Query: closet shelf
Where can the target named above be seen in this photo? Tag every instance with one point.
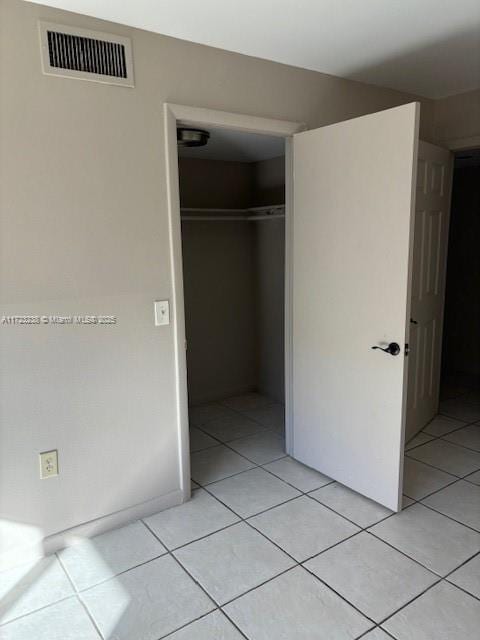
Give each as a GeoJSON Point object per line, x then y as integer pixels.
{"type": "Point", "coordinates": [247, 215]}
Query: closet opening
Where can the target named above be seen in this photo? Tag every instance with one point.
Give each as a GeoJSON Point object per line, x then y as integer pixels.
{"type": "Point", "coordinates": [232, 213]}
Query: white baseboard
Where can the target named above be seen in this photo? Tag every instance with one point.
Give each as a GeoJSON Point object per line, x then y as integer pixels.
{"type": "Point", "coordinates": [58, 541]}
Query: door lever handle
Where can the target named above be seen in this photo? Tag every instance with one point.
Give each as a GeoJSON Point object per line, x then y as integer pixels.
{"type": "Point", "coordinates": [412, 321]}
{"type": "Point", "coordinates": [393, 349]}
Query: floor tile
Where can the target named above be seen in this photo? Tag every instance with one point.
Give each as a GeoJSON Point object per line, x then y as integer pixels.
{"type": "Point", "coordinates": [232, 561]}
{"type": "Point", "coordinates": [442, 613]}
{"type": "Point", "coordinates": [66, 620]}
{"type": "Point", "coordinates": [214, 626]}
{"type": "Point", "coordinates": [350, 504]}
{"type": "Point", "coordinates": [272, 417]}
{"type": "Point", "coordinates": [406, 501]}
{"type": "Point", "coordinates": [375, 578]}
{"type": "Point", "coordinates": [146, 603]}
{"type": "Point", "coordinates": [251, 492]}
{"type": "Point", "coordinates": [217, 463]}
{"type": "Point", "coordinates": [261, 448]}
{"type": "Point", "coordinates": [198, 517]}
{"type": "Point", "coordinates": [202, 414]}
{"type": "Point", "coordinates": [420, 438]}
{"type": "Point", "coordinates": [461, 409]}
{"type": "Point", "coordinates": [419, 479]}
{"type": "Point", "coordinates": [441, 425]}
{"type": "Point", "coordinates": [376, 634]}
{"type": "Point", "coordinates": [32, 586]}
{"type": "Point", "coordinates": [460, 501]}
{"type": "Point", "coordinates": [193, 485]}
{"type": "Point", "coordinates": [437, 542]}
{"type": "Point", "coordinates": [296, 606]}
{"type": "Point", "coordinates": [200, 440]}
{"type": "Point", "coordinates": [109, 554]}
{"type": "Point", "coordinates": [297, 474]}
{"type": "Point", "coordinates": [447, 457]}
{"type": "Point", "coordinates": [303, 527]}
{"type": "Point", "coordinates": [467, 437]}
{"type": "Point", "coordinates": [468, 576]}
{"type": "Point", "coordinates": [247, 402]}
{"type": "Point", "coordinates": [232, 427]}
{"type": "Point", "coordinates": [474, 477]}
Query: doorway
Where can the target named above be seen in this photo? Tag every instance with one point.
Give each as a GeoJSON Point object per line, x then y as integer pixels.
{"type": "Point", "coordinates": [444, 453]}
{"type": "Point", "coordinates": [232, 206]}
{"type": "Point", "coordinates": [174, 117]}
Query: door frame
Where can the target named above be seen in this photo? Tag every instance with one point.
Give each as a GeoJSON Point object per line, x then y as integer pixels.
{"type": "Point", "coordinates": [175, 114]}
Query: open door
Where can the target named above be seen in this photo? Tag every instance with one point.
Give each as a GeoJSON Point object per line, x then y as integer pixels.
{"type": "Point", "coordinates": [432, 219]}
{"type": "Point", "coordinates": [354, 188]}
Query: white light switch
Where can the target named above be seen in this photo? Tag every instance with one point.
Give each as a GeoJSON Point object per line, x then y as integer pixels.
{"type": "Point", "coordinates": [162, 312]}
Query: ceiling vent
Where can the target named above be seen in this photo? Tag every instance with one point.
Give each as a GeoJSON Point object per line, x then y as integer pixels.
{"type": "Point", "coordinates": [86, 55]}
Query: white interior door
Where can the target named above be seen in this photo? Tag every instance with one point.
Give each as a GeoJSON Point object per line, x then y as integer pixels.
{"type": "Point", "coordinates": [432, 217]}
{"type": "Point", "coordinates": [354, 185]}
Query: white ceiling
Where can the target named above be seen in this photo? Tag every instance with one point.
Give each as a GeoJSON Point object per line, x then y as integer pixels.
{"type": "Point", "coordinates": [225, 144]}
{"type": "Point", "coordinates": [427, 47]}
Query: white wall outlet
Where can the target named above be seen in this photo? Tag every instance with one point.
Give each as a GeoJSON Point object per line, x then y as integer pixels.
{"type": "Point", "coordinates": [162, 312]}
{"type": "Point", "coordinates": [48, 464]}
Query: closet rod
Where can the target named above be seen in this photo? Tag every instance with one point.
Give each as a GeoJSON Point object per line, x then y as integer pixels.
{"type": "Point", "coordinates": [232, 218]}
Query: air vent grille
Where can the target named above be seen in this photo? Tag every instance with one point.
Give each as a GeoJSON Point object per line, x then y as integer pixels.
{"type": "Point", "coordinates": [88, 55]}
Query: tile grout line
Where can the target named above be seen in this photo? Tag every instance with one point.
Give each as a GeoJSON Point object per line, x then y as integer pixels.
{"type": "Point", "coordinates": [211, 598]}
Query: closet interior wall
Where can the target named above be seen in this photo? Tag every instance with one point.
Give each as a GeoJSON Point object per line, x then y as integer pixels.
{"type": "Point", "coordinates": [234, 279]}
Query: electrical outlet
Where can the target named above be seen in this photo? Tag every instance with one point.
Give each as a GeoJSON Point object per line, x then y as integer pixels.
{"type": "Point", "coordinates": [48, 464]}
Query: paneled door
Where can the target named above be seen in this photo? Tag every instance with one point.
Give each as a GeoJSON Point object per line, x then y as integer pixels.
{"type": "Point", "coordinates": [432, 217]}
{"type": "Point", "coordinates": [354, 188]}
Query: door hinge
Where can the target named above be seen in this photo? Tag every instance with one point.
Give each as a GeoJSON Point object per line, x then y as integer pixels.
{"type": "Point", "coordinates": [407, 348]}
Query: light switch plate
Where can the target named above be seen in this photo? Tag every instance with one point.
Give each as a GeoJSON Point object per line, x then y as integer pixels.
{"type": "Point", "coordinates": [162, 312]}
{"type": "Point", "coordinates": [48, 464]}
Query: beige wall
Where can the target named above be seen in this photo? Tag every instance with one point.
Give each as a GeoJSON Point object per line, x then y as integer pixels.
{"type": "Point", "coordinates": [84, 230]}
{"type": "Point", "coordinates": [457, 120]}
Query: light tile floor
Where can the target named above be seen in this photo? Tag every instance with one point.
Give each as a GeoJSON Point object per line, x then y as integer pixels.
{"type": "Point", "coordinates": [268, 549]}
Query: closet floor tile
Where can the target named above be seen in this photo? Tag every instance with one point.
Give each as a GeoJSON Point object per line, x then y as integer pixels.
{"type": "Point", "coordinates": [296, 605]}
{"type": "Point", "coordinates": [303, 527]}
{"type": "Point", "coordinates": [459, 501]}
{"type": "Point", "coordinates": [261, 448]}
{"type": "Point", "coordinates": [272, 417]}
{"type": "Point", "coordinates": [204, 413]}
{"type": "Point", "coordinates": [216, 463]}
{"type": "Point", "coordinates": [297, 474]}
{"type": "Point", "coordinates": [447, 457]}
{"type": "Point", "coordinates": [232, 427]}
{"type": "Point", "coordinates": [442, 613]}
{"type": "Point", "coordinates": [351, 505]}
{"type": "Point", "coordinates": [247, 402]}
{"type": "Point", "coordinates": [232, 561]}
{"type": "Point", "coordinates": [200, 516]}
{"type": "Point", "coordinates": [371, 575]}
{"type": "Point", "coordinates": [251, 492]}
{"type": "Point", "coordinates": [437, 542]}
